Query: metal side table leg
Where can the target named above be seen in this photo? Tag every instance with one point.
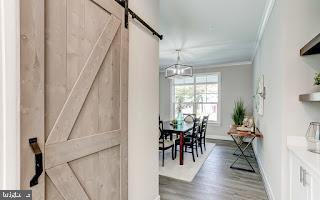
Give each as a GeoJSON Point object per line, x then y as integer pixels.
{"type": "Point", "coordinates": [242, 154]}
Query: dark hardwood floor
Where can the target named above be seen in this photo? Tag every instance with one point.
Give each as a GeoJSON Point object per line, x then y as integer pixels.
{"type": "Point", "coordinates": [216, 181]}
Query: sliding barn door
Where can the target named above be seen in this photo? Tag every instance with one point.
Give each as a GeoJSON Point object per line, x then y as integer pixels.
{"type": "Point", "coordinates": [74, 65]}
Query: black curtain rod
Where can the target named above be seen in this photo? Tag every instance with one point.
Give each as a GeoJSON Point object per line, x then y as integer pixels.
{"type": "Point", "coordinates": [124, 3]}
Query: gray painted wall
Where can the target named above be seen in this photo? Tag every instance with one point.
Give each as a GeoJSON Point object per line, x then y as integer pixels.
{"type": "Point", "coordinates": [236, 82]}
{"type": "Point", "coordinates": [164, 97]}
{"type": "Point", "coordinates": [291, 25]}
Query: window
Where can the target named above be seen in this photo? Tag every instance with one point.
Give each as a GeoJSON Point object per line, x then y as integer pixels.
{"type": "Point", "coordinates": [198, 94]}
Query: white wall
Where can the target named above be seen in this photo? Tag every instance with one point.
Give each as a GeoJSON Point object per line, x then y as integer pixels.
{"type": "Point", "coordinates": [9, 95]}
{"type": "Point", "coordinates": [291, 25]}
{"type": "Point", "coordinates": [236, 82]}
{"type": "Point", "coordinates": [143, 103]}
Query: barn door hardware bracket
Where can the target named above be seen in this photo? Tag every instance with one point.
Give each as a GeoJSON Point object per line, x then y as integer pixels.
{"type": "Point", "coordinates": [38, 161]}
{"type": "Point", "coordinates": [124, 3]}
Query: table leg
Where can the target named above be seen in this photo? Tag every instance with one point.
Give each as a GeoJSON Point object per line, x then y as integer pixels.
{"type": "Point", "coordinates": [181, 148]}
{"type": "Point", "coordinates": [245, 148]}
{"type": "Point", "coordinates": [242, 154]}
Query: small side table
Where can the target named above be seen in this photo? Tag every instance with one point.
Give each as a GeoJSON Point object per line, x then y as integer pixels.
{"type": "Point", "coordinates": [234, 133]}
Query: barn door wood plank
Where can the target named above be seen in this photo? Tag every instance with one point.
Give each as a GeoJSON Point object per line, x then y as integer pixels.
{"type": "Point", "coordinates": [67, 151]}
{"type": "Point", "coordinates": [110, 6]}
{"type": "Point", "coordinates": [66, 182]}
{"type": "Point", "coordinates": [32, 90]}
{"type": "Point", "coordinates": [124, 63]}
{"type": "Point", "coordinates": [66, 119]}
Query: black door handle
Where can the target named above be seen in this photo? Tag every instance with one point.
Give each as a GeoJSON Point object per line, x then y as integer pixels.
{"type": "Point", "coordinates": [38, 161]}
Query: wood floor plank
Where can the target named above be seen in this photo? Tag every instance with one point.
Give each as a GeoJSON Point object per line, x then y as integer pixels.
{"type": "Point", "coordinates": [216, 181]}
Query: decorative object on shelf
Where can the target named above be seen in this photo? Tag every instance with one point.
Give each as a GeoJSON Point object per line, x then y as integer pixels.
{"type": "Point", "coordinates": [317, 79]}
{"type": "Point", "coordinates": [239, 112]}
{"type": "Point", "coordinates": [260, 95]}
{"type": "Point", "coordinates": [313, 137]}
{"type": "Point", "coordinates": [178, 70]}
{"type": "Point", "coordinates": [316, 82]}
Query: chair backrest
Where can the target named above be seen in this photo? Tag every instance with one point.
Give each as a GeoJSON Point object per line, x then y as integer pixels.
{"type": "Point", "coordinates": [204, 125]}
{"type": "Point", "coordinates": [196, 127]}
{"type": "Point", "coordinates": [161, 133]}
{"type": "Point", "coordinates": [189, 118]}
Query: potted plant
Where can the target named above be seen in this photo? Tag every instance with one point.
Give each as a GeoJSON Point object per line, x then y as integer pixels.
{"type": "Point", "coordinates": [239, 113]}
{"type": "Point", "coordinates": [317, 81]}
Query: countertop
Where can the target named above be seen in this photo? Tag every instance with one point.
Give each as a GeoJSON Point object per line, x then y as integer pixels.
{"type": "Point", "coordinates": [298, 146]}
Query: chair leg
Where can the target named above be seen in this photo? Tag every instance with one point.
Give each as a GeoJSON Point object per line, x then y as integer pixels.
{"type": "Point", "coordinates": [194, 160]}
{"type": "Point", "coordinates": [162, 158]}
{"type": "Point", "coordinates": [200, 143]}
{"type": "Point", "coordinates": [197, 148]}
{"type": "Point", "coordinates": [172, 153]}
{"type": "Point", "coordinates": [175, 151]}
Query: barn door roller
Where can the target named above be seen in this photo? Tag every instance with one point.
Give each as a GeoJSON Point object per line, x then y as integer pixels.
{"type": "Point", "coordinates": [124, 3]}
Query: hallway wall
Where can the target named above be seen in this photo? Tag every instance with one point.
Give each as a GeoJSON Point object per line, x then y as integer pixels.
{"type": "Point", "coordinates": [291, 25]}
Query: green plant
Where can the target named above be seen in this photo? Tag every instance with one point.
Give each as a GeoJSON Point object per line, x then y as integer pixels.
{"type": "Point", "coordinates": [238, 112]}
{"type": "Point", "coordinates": [317, 79]}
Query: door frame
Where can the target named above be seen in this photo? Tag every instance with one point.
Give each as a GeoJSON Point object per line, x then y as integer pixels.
{"type": "Point", "coordinates": [10, 94]}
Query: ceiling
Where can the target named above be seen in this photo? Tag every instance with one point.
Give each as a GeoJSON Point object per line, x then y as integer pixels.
{"type": "Point", "coordinates": [209, 32]}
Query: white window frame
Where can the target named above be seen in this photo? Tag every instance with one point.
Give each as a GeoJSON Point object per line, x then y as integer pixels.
{"type": "Point", "coordinates": [172, 98]}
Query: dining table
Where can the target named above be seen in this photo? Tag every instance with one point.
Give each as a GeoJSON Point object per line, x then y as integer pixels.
{"type": "Point", "coordinates": [180, 130]}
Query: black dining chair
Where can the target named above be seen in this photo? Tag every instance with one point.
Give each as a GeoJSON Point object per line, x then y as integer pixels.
{"type": "Point", "coordinates": [164, 143]}
{"type": "Point", "coordinates": [190, 141]}
{"type": "Point", "coordinates": [189, 117]}
{"type": "Point", "coordinates": [202, 133]}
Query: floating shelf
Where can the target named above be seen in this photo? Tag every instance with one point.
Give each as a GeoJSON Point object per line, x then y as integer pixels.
{"type": "Point", "coordinates": [312, 97]}
{"type": "Point", "coordinates": [313, 47]}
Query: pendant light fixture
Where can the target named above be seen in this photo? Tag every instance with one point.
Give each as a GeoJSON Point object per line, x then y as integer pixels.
{"type": "Point", "coordinates": [178, 70]}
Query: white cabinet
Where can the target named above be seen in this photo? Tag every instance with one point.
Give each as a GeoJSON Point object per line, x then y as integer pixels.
{"type": "Point", "coordinates": [315, 190]}
{"type": "Point", "coordinates": [304, 183]}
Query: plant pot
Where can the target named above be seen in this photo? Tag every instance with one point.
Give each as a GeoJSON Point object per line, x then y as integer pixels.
{"type": "Point", "coordinates": [316, 88]}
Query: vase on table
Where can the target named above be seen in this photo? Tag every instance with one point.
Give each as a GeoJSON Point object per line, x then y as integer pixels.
{"type": "Point", "coordinates": [179, 118]}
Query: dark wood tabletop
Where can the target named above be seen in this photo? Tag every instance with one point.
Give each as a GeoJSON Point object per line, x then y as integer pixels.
{"type": "Point", "coordinates": [184, 127]}
{"type": "Point", "coordinates": [179, 130]}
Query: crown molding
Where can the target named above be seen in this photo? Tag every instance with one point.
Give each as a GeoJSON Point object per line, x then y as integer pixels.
{"type": "Point", "coordinates": [267, 13]}
{"type": "Point", "coordinates": [233, 64]}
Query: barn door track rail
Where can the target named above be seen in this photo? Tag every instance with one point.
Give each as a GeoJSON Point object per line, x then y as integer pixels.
{"type": "Point", "coordinates": [124, 3]}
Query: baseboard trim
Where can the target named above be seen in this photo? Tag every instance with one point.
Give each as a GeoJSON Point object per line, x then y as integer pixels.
{"type": "Point", "coordinates": [266, 182]}
{"type": "Point", "coordinates": [219, 137]}
{"type": "Point", "coordinates": [157, 198]}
